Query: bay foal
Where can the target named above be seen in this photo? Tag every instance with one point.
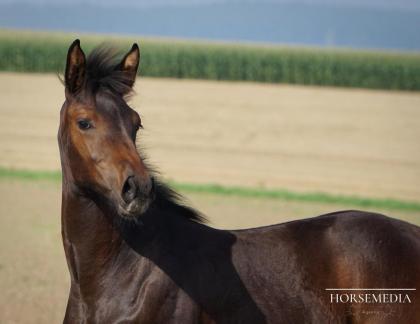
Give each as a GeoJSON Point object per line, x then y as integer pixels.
{"type": "Point", "coordinates": [136, 254]}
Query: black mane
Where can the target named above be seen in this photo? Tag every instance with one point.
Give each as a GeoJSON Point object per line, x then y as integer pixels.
{"type": "Point", "coordinates": [167, 198]}
{"type": "Point", "coordinates": [103, 74]}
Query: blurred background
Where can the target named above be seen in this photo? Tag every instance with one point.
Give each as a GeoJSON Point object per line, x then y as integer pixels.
{"type": "Point", "coordinates": [259, 112]}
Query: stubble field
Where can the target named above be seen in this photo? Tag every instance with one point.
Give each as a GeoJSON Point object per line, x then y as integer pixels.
{"type": "Point", "coordinates": [305, 139]}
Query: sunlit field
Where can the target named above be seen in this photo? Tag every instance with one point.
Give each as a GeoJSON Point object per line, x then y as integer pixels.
{"type": "Point", "coordinates": [245, 154]}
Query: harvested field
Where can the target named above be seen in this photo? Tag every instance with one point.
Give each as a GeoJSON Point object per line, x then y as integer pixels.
{"type": "Point", "coordinates": [341, 141]}
{"type": "Point", "coordinates": [337, 141]}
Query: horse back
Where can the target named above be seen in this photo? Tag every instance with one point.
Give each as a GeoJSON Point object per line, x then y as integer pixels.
{"type": "Point", "coordinates": [292, 266]}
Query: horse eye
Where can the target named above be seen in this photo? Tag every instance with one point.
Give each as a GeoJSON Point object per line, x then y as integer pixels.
{"type": "Point", "coordinates": [84, 124]}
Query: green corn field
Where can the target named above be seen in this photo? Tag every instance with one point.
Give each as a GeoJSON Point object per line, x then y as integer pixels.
{"type": "Point", "coordinates": [24, 51]}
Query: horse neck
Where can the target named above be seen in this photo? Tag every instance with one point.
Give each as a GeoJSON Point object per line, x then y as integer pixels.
{"type": "Point", "coordinates": [90, 241]}
{"type": "Point", "coordinates": [95, 236]}
{"type": "Point", "coordinates": [163, 238]}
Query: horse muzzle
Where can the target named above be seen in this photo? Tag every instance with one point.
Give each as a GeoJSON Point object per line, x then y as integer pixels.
{"type": "Point", "coordinates": [136, 197]}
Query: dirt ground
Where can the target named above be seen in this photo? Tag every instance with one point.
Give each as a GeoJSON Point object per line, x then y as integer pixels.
{"type": "Point", "coordinates": [34, 280]}
{"type": "Point", "coordinates": [348, 141]}
{"type": "Point", "coordinates": [354, 142]}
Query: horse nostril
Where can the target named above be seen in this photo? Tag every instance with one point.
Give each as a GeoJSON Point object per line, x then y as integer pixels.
{"type": "Point", "coordinates": [129, 190]}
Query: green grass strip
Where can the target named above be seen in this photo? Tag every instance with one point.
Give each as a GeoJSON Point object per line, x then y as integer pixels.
{"type": "Point", "coordinates": [282, 194]}
{"type": "Point", "coordinates": [316, 197]}
{"type": "Point", "coordinates": [29, 174]}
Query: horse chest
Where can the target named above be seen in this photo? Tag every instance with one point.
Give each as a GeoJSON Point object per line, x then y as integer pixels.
{"type": "Point", "coordinates": [154, 299]}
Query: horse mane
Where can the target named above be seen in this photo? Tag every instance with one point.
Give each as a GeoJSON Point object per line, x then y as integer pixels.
{"type": "Point", "coordinates": [167, 198]}
{"type": "Point", "coordinates": [102, 74]}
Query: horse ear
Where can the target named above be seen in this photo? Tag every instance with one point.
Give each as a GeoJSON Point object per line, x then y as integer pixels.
{"type": "Point", "coordinates": [75, 68]}
{"type": "Point", "coordinates": [130, 64]}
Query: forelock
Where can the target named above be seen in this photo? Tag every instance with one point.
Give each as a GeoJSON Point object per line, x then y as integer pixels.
{"type": "Point", "coordinates": [102, 73]}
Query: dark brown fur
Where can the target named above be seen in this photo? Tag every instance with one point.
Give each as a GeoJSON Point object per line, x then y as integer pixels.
{"type": "Point", "coordinates": [136, 254]}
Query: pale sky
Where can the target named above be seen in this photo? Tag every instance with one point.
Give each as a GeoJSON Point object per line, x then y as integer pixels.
{"type": "Point", "coordinates": [404, 4]}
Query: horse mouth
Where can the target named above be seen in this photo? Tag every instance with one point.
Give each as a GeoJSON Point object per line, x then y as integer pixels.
{"type": "Point", "coordinates": [135, 208]}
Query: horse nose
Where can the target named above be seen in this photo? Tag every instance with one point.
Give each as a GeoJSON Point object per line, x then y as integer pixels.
{"type": "Point", "coordinates": [130, 189]}
{"type": "Point", "coordinates": [133, 189]}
